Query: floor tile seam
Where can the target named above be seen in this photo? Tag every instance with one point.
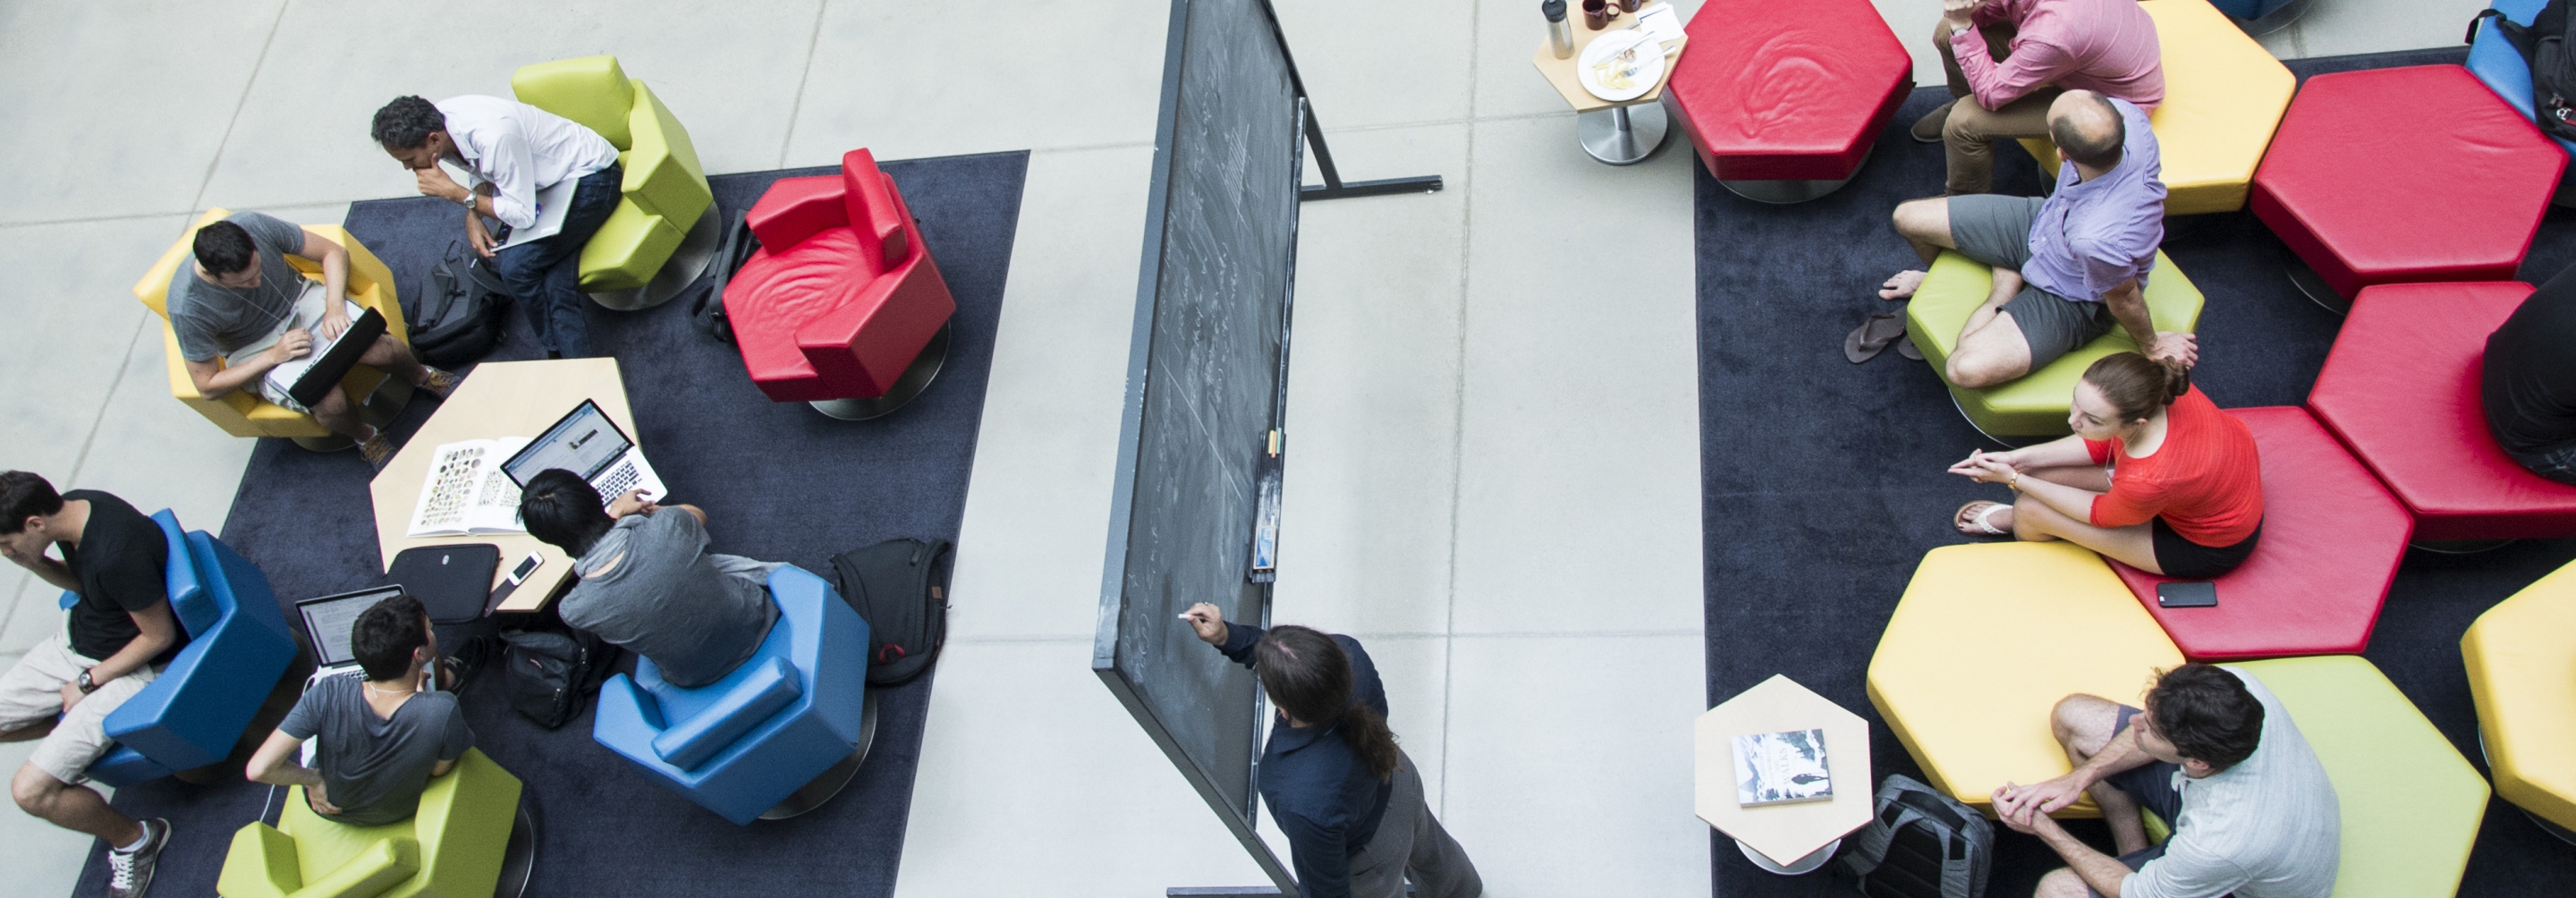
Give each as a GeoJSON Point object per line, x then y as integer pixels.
{"type": "Point", "coordinates": [1458, 408]}
{"type": "Point", "coordinates": [243, 102]}
{"type": "Point", "coordinates": [796, 107]}
{"type": "Point", "coordinates": [107, 402]}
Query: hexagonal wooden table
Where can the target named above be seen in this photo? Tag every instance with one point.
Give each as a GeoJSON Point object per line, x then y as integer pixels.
{"type": "Point", "coordinates": [1793, 838]}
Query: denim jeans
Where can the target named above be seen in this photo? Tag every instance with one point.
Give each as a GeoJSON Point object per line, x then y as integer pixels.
{"type": "Point", "coordinates": [545, 274]}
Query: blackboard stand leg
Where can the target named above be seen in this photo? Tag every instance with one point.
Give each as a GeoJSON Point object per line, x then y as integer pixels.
{"type": "Point", "coordinates": [1335, 188]}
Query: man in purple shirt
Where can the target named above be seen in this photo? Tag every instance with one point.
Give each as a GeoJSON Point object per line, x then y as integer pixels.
{"type": "Point", "coordinates": [2009, 59]}
{"type": "Point", "coordinates": [2066, 267]}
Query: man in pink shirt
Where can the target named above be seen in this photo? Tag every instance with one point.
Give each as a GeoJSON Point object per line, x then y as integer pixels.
{"type": "Point", "coordinates": [2009, 59]}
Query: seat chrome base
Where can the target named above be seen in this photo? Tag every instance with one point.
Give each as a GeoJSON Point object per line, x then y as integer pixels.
{"type": "Point", "coordinates": [677, 273]}
{"type": "Point", "coordinates": [924, 369]}
{"type": "Point", "coordinates": [1623, 135]}
{"type": "Point", "coordinates": [821, 788]}
{"type": "Point", "coordinates": [519, 857]}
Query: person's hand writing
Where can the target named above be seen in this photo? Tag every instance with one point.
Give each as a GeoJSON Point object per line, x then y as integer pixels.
{"type": "Point", "coordinates": [2178, 346]}
{"type": "Point", "coordinates": [433, 181]}
{"type": "Point", "coordinates": [1206, 622]}
{"type": "Point", "coordinates": [318, 796]}
{"type": "Point", "coordinates": [334, 323]}
{"type": "Point", "coordinates": [631, 502]}
{"type": "Point", "coordinates": [479, 237]}
{"type": "Point", "coordinates": [293, 346]}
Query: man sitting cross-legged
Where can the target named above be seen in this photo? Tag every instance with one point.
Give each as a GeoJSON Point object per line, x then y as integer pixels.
{"type": "Point", "coordinates": [2216, 756]}
{"type": "Point", "coordinates": [2066, 268]}
{"type": "Point", "coordinates": [381, 740]}
{"type": "Point", "coordinates": [239, 310]}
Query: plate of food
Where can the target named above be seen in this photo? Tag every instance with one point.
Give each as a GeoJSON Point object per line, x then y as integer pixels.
{"type": "Point", "coordinates": [1621, 65]}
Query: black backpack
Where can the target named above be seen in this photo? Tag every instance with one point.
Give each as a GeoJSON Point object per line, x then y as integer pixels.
{"type": "Point", "coordinates": [707, 311]}
{"type": "Point", "coordinates": [455, 316]}
{"type": "Point", "coordinates": [549, 674]}
{"type": "Point", "coordinates": [2543, 44]}
{"type": "Point", "coordinates": [1922, 844]}
{"type": "Point", "coordinates": [900, 587]}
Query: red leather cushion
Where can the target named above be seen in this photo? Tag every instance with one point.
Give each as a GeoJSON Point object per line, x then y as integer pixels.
{"type": "Point", "coordinates": [829, 311]}
{"type": "Point", "coordinates": [796, 208]}
{"type": "Point", "coordinates": [2332, 537]}
{"type": "Point", "coordinates": [2402, 175]}
{"type": "Point", "coordinates": [1787, 89]}
{"type": "Point", "coordinates": [2401, 389]}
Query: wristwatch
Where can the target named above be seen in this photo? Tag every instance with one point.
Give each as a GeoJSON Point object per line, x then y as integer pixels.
{"type": "Point", "coordinates": [86, 687]}
{"type": "Point", "coordinates": [468, 201]}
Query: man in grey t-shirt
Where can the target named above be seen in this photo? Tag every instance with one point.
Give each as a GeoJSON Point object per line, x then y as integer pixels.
{"type": "Point", "coordinates": [239, 310]}
{"type": "Point", "coordinates": [379, 741]}
{"type": "Point", "coordinates": [648, 582]}
{"type": "Point", "coordinates": [2216, 756]}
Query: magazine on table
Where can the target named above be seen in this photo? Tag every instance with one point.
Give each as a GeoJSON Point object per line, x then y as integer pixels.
{"type": "Point", "coordinates": [466, 492]}
{"type": "Point", "coordinates": [1781, 768]}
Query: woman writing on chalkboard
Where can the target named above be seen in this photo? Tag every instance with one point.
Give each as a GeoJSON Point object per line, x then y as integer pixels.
{"type": "Point", "coordinates": [1348, 798]}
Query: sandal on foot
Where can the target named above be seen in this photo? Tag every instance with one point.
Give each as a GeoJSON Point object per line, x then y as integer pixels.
{"type": "Point", "coordinates": [1905, 347]}
{"type": "Point", "coordinates": [1873, 337]}
{"type": "Point", "coordinates": [1983, 521]}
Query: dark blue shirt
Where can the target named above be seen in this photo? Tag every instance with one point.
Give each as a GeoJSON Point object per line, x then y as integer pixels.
{"type": "Point", "coordinates": [1321, 792]}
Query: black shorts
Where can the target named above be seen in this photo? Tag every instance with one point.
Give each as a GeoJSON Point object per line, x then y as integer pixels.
{"type": "Point", "coordinates": [2180, 557]}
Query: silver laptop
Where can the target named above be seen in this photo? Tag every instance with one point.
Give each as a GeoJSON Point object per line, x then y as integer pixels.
{"type": "Point", "coordinates": [329, 621]}
{"type": "Point", "coordinates": [591, 446]}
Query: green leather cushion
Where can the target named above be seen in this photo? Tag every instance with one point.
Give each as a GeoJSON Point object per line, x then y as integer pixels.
{"type": "Point", "coordinates": [627, 250]}
{"type": "Point", "coordinates": [591, 90]}
{"type": "Point", "coordinates": [2411, 805]}
{"type": "Point", "coordinates": [662, 171]}
{"type": "Point", "coordinates": [2036, 404]}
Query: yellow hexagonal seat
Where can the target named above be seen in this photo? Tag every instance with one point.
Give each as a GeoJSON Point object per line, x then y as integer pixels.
{"type": "Point", "coordinates": [2521, 656]}
{"type": "Point", "coordinates": [2036, 404]}
{"type": "Point", "coordinates": [1986, 639]}
{"type": "Point", "coordinates": [2224, 94]}
{"type": "Point", "coordinates": [243, 413]}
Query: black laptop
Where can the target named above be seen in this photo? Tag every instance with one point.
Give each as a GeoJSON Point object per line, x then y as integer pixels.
{"type": "Point", "coordinates": [326, 372]}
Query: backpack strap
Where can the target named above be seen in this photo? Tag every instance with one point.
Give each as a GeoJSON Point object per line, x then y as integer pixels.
{"type": "Point", "coordinates": [2514, 33]}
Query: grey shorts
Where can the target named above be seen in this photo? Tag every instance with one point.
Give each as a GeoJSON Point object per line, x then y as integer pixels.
{"type": "Point", "coordinates": [1995, 230]}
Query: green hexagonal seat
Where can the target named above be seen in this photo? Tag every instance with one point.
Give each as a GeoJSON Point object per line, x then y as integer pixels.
{"type": "Point", "coordinates": [2035, 405]}
{"type": "Point", "coordinates": [2411, 804]}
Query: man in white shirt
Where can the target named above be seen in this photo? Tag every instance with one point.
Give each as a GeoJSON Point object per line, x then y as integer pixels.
{"type": "Point", "coordinates": [2215, 755]}
{"type": "Point", "coordinates": [514, 150]}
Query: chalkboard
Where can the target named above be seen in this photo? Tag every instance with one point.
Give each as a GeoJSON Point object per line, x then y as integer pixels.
{"type": "Point", "coordinates": [1206, 367]}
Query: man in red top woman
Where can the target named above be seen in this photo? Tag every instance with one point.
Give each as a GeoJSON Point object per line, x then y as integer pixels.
{"type": "Point", "coordinates": [2154, 476]}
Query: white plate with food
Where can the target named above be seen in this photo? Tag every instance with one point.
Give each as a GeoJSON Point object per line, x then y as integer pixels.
{"type": "Point", "coordinates": [1621, 65]}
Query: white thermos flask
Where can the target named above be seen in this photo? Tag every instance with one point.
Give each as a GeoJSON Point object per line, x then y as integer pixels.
{"type": "Point", "coordinates": [1560, 33]}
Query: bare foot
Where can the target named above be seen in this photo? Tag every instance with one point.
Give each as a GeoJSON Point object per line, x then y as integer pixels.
{"type": "Point", "coordinates": [1982, 518]}
{"type": "Point", "coordinates": [1902, 286]}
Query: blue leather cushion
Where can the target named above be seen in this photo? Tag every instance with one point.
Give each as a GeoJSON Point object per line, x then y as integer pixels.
{"type": "Point", "coordinates": [2494, 60]}
{"type": "Point", "coordinates": [771, 686]}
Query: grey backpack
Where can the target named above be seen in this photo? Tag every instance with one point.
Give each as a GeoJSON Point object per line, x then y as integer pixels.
{"type": "Point", "coordinates": [1922, 844]}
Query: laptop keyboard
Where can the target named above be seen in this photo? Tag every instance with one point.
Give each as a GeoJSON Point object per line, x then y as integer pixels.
{"type": "Point", "coordinates": [617, 481]}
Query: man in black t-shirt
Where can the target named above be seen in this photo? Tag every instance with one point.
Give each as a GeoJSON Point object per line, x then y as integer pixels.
{"type": "Point", "coordinates": [117, 637]}
{"type": "Point", "coordinates": [2530, 387]}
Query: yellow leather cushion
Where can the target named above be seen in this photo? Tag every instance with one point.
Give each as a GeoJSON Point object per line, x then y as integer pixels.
{"type": "Point", "coordinates": [2521, 656]}
{"type": "Point", "coordinates": [591, 90]}
{"type": "Point", "coordinates": [2224, 95]}
{"type": "Point", "coordinates": [1986, 639]}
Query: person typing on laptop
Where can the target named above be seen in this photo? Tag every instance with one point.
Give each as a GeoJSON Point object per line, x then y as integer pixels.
{"type": "Point", "coordinates": [647, 581]}
{"type": "Point", "coordinates": [381, 739]}
{"type": "Point", "coordinates": [239, 311]}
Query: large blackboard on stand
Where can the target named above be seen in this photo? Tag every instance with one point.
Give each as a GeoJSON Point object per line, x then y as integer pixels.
{"type": "Point", "coordinates": [1206, 372]}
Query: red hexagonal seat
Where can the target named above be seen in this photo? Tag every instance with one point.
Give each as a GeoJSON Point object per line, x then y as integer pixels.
{"type": "Point", "coordinates": [2401, 390]}
{"type": "Point", "coordinates": [1788, 90]}
{"type": "Point", "coordinates": [2407, 174]}
{"type": "Point", "coordinates": [2332, 537]}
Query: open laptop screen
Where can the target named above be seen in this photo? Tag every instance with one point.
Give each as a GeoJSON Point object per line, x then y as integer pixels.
{"type": "Point", "coordinates": [584, 442]}
{"type": "Point", "coordinates": [330, 619]}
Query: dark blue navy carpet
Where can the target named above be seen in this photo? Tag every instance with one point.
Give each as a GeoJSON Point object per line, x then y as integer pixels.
{"type": "Point", "coordinates": [1823, 481]}
{"type": "Point", "coordinates": [778, 481]}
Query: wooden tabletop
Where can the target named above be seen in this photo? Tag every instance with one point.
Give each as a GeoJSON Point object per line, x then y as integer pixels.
{"type": "Point", "coordinates": [1782, 832]}
{"type": "Point", "coordinates": [1560, 72]}
{"type": "Point", "coordinates": [499, 399]}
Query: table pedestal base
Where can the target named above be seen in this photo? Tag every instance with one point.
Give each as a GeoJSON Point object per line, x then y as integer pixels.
{"type": "Point", "coordinates": [1622, 135]}
{"type": "Point", "coordinates": [1806, 864]}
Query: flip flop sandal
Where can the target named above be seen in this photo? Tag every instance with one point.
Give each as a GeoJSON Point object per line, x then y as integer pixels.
{"type": "Point", "coordinates": [1984, 520]}
{"type": "Point", "coordinates": [1905, 347]}
{"type": "Point", "coordinates": [1873, 337]}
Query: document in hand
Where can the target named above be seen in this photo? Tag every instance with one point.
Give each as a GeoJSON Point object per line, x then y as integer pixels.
{"type": "Point", "coordinates": [466, 492]}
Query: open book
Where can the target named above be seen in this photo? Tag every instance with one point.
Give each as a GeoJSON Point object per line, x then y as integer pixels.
{"type": "Point", "coordinates": [466, 491]}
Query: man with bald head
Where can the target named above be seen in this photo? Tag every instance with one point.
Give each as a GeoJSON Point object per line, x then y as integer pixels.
{"type": "Point", "coordinates": [2068, 267]}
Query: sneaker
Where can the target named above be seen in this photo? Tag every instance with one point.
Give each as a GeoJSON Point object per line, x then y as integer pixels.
{"type": "Point", "coordinates": [377, 450]}
{"type": "Point", "coordinates": [440, 383]}
{"type": "Point", "coordinates": [129, 874]}
{"type": "Point", "coordinates": [1928, 128]}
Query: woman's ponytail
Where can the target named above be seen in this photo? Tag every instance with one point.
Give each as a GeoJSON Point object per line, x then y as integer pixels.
{"type": "Point", "coordinates": [2135, 385]}
{"type": "Point", "coordinates": [1307, 675]}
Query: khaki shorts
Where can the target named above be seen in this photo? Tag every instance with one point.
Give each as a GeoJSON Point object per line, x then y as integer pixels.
{"type": "Point", "coordinates": [308, 315]}
{"type": "Point", "coordinates": [31, 692]}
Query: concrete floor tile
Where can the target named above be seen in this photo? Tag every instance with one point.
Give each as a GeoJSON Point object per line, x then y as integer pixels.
{"type": "Point", "coordinates": [1383, 63]}
{"type": "Point", "coordinates": [1037, 508]}
{"type": "Point", "coordinates": [34, 614]}
{"type": "Point", "coordinates": [73, 317]}
{"type": "Point", "coordinates": [117, 108]}
{"type": "Point", "coordinates": [1912, 21]}
{"type": "Point", "coordinates": [1373, 394]}
{"type": "Point", "coordinates": [887, 76]}
{"type": "Point", "coordinates": [1579, 500]}
{"type": "Point", "coordinates": [1029, 759]}
{"type": "Point", "coordinates": [1507, 32]}
{"type": "Point", "coordinates": [729, 72]}
{"type": "Point", "coordinates": [158, 453]}
{"type": "Point", "coordinates": [1574, 778]}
